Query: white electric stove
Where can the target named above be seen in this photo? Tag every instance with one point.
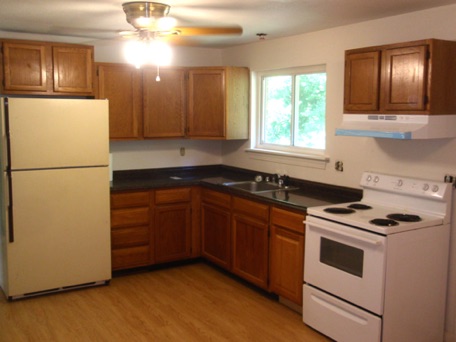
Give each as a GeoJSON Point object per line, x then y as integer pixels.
{"type": "Point", "coordinates": [376, 270]}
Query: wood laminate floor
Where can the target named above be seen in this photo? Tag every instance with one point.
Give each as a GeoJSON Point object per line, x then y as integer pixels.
{"type": "Point", "coordinates": [185, 303]}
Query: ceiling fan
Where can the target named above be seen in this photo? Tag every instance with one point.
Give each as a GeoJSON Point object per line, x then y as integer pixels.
{"type": "Point", "coordinates": [151, 20]}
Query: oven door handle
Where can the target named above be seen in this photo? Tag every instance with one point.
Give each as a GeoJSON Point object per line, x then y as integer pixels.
{"type": "Point", "coordinates": [342, 233]}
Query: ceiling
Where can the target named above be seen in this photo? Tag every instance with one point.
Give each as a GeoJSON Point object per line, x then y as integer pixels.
{"type": "Point", "coordinates": [102, 19]}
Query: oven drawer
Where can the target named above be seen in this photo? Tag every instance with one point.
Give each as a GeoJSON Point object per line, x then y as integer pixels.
{"type": "Point", "coordinates": [337, 319]}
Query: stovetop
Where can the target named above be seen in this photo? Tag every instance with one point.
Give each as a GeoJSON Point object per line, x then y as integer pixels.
{"type": "Point", "coordinates": [414, 204]}
{"type": "Point", "coordinates": [349, 214]}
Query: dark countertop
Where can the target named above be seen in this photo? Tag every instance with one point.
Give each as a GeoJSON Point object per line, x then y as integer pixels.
{"type": "Point", "coordinates": [309, 194]}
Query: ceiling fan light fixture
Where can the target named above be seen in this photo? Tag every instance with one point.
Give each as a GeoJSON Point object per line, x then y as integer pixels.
{"type": "Point", "coordinates": [141, 14]}
{"type": "Point", "coordinates": [148, 52]}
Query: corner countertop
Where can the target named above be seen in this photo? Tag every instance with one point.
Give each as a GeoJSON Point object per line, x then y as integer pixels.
{"type": "Point", "coordinates": [308, 194]}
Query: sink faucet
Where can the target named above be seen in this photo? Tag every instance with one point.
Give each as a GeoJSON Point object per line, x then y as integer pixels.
{"type": "Point", "coordinates": [281, 180]}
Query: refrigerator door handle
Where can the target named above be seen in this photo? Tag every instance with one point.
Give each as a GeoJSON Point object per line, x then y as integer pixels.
{"type": "Point", "coordinates": [10, 209]}
{"type": "Point", "coordinates": [8, 174]}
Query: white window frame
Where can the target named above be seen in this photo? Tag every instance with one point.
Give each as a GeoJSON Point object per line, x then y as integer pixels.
{"type": "Point", "coordinates": [257, 122]}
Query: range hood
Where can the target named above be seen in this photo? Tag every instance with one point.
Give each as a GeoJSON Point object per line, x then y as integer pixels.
{"type": "Point", "coordinates": [400, 126]}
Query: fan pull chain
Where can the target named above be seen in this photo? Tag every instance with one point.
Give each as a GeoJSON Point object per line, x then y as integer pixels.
{"type": "Point", "coordinates": [157, 79]}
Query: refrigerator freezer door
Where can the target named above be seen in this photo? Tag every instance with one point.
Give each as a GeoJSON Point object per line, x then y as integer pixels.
{"type": "Point", "coordinates": [61, 229]}
{"type": "Point", "coordinates": [53, 133]}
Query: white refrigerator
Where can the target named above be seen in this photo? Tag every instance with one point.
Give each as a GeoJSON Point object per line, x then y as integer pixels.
{"type": "Point", "coordinates": [55, 218]}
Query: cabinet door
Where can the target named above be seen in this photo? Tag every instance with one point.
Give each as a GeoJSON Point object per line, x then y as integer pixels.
{"type": "Point", "coordinates": [250, 249]}
{"type": "Point", "coordinates": [73, 67]}
{"type": "Point", "coordinates": [164, 103]}
{"type": "Point", "coordinates": [216, 234]}
{"type": "Point", "coordinates": [404, 79]}
{"type": "Point", "coordinates": [121, 85]}
{"type": "Point", "coordinates": [25, 67]}
{"type": "Point", "coordinates": [206, 103]}
{"type": "Point", "coordinates": [250, 229]}
{"type": "Point", "coordinates": [287, 262]}
{"type": "Point", "coordinates": [172, 232]}
{"type": "Point", "coordinates": [362, 76]}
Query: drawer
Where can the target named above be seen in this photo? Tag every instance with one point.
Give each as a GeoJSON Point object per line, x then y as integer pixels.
{"type": "Point", "coordinates": [130, 257]}
{"type": "Point", "coordinates": [250, 208]}
{"type": "Point", "coordinates": [173, 195]}
{"type": "Point", "coordinates": [214, 197]}
{"type": "Point", "coordinates": [128, 237]}
{"type": "Point", "coordinates": [130, 199]}
{"type": "Point", "coordinates": [337, 319]}
{"type": "Point", "coordinates": [288, 219]}
{"type": "Point", "coordinates": [130, 217]}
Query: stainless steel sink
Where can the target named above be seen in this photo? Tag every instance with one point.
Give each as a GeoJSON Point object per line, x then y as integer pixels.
{"type": "Point", "coordinates": [256, 187]}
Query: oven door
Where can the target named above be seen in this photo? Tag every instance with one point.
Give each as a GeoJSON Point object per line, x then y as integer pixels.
{"type": "Point", "coordinates": [346, 262]}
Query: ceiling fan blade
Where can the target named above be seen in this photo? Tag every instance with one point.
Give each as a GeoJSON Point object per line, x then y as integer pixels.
{"type": "Point", "coordinates": [208, 31]}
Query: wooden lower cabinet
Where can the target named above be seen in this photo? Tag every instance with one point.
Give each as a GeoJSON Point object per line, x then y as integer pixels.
{"type": "Point", "coordinates": [130, 229]}
{"type": "Point", "coordinates": [287, 254]}
{"type": "Point", "coordinates": [173, 224]}
{"type": "Point", "coordinates": [216, 227]}
{"type": "Point", "coordinates": [260, 243]}
{"type": "Point", "coordinates": [250, 229]}
{"type": "Point", "coordinates": [153, 226]}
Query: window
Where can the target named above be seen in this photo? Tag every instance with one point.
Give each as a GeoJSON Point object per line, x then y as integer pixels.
{"type": "Point", "coordinates": [292, 111]}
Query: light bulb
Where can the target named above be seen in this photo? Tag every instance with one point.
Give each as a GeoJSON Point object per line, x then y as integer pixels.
{"type": "Point", "coordinates": [135, 53]}
{"type": "Point", "coordinates": [166, 23]}
{"type": "Point", "coordinates": [160, 53]}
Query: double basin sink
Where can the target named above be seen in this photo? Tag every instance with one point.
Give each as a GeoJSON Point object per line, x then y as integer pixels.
{"type": "Point", "coordinates": [257, 187]}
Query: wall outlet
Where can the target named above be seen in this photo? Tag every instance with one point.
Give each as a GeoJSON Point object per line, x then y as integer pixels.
{"type": "Point", "coordinates": [450, 179]}
{"type": "Point", "coordinates": [339, 166]}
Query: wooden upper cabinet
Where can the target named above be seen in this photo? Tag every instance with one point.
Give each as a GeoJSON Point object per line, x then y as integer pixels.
{"type": "Point", "coordinates": [121, 85]}
{"type": "Point", "coordinates": [164, 103]}
{"type": "Point", "coordinates": [206, 103]}
{"type": "Point", "coordinates": [362, 75]}
{"type": "Point", "coordinates": [73, 69]}
{"type": "Point", "coordinates": [43, 68]}
{"type": "Point", "coordinates": [406, 78]}
{"type": "Point", "coordinates": [218, 103]}
{"type": "Point", "coordinates": [196, 103]}
{"type": "Point", "coordinates": [25, 66]}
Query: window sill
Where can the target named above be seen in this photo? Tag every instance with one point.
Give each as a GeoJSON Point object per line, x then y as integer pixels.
{"type": "Point", "coordinates": [289, 158]}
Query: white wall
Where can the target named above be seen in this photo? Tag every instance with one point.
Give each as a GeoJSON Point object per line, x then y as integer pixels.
{"type": "Point", "coordinates": [426, 159]}
{"type": "Point", "coordinates": [149, 154]}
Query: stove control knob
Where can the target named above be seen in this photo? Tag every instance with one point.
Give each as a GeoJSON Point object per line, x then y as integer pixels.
{"type": "Point", "coordinates": [400, 182]}
{"type": "Point", "coordinates": [435, 188]}
{"type": "Point", "coordinates": [369, 178]}
{"type": "Point", "coordinates": [376, 179]}
{"type": "Point", "coordinates": [425, 187]}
